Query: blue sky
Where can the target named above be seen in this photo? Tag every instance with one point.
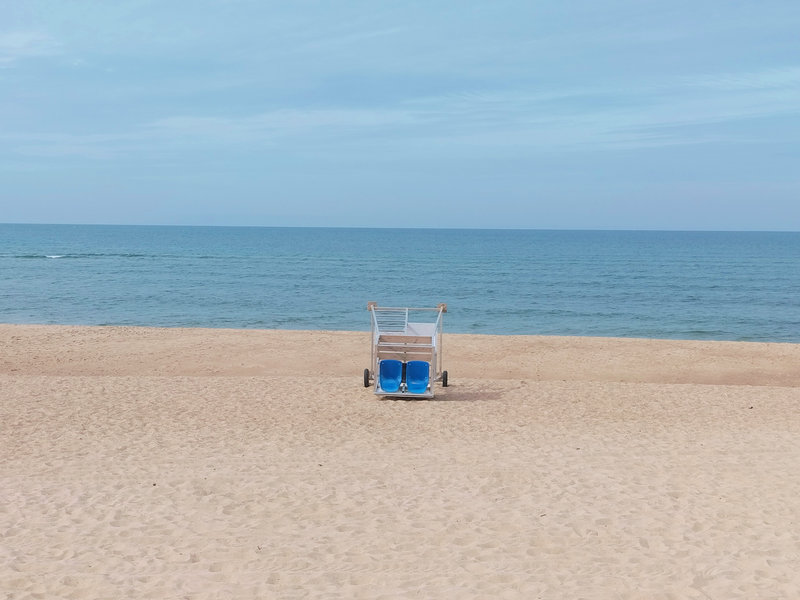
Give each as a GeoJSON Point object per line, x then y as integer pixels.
{"type": "Point", "coordinates": [530, 114]}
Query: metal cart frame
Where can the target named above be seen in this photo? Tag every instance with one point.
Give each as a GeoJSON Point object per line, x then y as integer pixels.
{"type": "Point", "coordinates": [406, 334]}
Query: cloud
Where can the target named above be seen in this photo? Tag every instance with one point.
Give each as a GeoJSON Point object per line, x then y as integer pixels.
{"type": "Point", "coordinates": [648, 114]}
{"type": "Point", "coordinates": [174, 135]}
{"type": "Point", "coordinates": [773, 78]}
{"type": "Point", "coordinates": [494, 123]}
{"type": "Point", "coordinates": [283, 123]}
{"type": "Point", "coordinates": [80, 146]}
{"type": "Point", "coordinates": [19, 45]}
{"type": "Point", "coordinates": [347, 39]}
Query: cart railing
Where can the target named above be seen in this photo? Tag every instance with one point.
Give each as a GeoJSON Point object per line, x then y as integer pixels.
{"type": "Point", "coordinates": [390, 319]}
{"type": "Point", "coordinates": [395, 337]}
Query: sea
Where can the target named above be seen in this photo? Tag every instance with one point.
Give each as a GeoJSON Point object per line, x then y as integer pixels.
{"type": "Point", "coordinates": [644, 284]}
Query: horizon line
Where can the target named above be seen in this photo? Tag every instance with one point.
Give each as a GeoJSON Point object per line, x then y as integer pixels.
{"type": "Point", "coordinates": [608, 228]}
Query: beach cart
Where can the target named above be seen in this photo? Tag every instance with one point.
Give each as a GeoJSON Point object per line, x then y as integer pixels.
{"type": "Point", "coordinates": [406, 350]}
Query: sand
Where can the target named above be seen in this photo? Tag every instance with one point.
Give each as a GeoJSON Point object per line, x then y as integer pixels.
{"type": "Point", "coordinates": [190, 463]}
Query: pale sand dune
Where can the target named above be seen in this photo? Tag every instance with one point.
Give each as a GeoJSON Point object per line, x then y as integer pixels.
{"type": "Point", "coordinates": [157, 463]}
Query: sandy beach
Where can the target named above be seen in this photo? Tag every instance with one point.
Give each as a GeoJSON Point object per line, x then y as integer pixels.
{"type": "Point", "coordinates": [196, 463]}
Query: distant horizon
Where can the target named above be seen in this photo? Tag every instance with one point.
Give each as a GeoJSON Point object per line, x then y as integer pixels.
{"type": "Point", "coordinates": [199, 226]}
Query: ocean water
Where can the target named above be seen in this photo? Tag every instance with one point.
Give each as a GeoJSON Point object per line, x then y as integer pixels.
{"type": "Point", "coordinates": [679, 285]}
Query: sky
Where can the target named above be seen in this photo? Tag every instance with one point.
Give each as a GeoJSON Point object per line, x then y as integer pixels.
{"type": "Point", "coordinates": [587, 114]}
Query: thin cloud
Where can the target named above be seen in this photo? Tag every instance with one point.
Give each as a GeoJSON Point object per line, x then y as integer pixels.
{"type": "Point", "coordinates": [283, 123]}
{"type": "Point", "coordinates": [19, 45]}
{"type": "Point", "coordinates": [657, 113]}
{"type": "Point", "coordinates": [347, 39]}
{"type": "Point", "coordinates": [647, 115]}
{"type": "Point", "coordinates": [783, 77]}
{"type": "Point", "coordinates": [104, 146]}
{"type": "Point", "coordinates": [289, 127]}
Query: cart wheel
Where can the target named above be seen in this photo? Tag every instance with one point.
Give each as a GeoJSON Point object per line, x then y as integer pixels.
{"type": "Point", "coordinates": [444, 378]}
{"type": "Point", "coordinates": [366, 377]}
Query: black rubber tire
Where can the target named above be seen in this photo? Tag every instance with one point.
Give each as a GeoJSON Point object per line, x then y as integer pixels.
{"type": "Point", "coordinates": [444, 378]}
{"type": "Point", "coordinates": [366, 377]}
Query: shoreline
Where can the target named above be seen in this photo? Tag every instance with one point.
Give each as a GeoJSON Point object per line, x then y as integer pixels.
{"type": "Point", "coordinates": [133, 350]}
{"type": "Point", "coordinates": [454, 333]}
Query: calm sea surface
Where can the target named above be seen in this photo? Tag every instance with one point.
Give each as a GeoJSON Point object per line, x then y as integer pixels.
{"type": "Point", "coordinates": [685, 285]}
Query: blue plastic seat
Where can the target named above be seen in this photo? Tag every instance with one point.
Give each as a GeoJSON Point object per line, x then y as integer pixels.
{"type": "Point", "coordinates": [417, 376]}
{"type": "Point", "coordinates": [390, 375]}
